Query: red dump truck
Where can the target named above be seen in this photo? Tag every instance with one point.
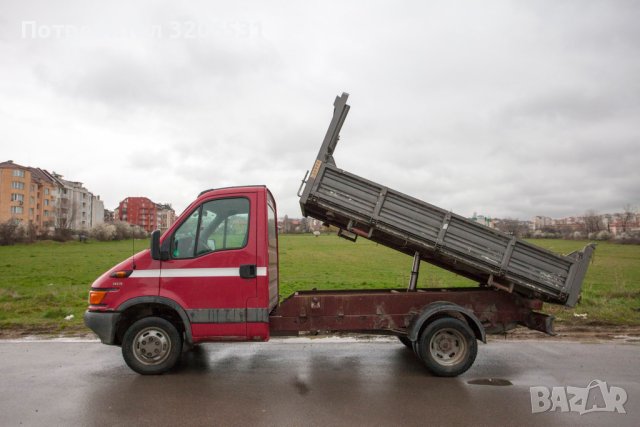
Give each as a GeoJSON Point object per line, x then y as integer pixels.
{"type": "Point", "coordinates": [213, 276]}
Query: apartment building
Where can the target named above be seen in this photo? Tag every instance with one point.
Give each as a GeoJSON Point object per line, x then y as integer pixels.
{"type": "Point", "coordinates": [79, 209]}
{"type": "Point", "coordinates": [166, 216]}
{"type": "Point", "coordinates": [46, 200]}
{"type": "Point", "coordinates": [145, 213]}
{"type": "Point", "coordinates": [17, 198]}
{"type": "Point", "coordinates": [27, 196]}
{"type": "Point", "coordinates": [139, 211]}
{"type": "Point", "coordinates": [46, 190]}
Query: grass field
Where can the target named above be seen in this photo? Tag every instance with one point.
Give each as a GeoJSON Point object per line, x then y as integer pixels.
{"type": "Point", "coordinates": [42, 283]}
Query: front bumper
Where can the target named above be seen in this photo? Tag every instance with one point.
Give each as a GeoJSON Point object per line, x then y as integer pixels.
{"type": "Point", "coordinates": [103, 324]}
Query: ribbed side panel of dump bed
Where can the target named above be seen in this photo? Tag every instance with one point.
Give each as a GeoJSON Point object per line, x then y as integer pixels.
{"type": "Point", "coordinates": [440, 237]}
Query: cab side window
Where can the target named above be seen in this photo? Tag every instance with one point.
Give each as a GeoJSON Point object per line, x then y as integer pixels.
{"type": "Point", "coordinates": [224, 226]}
{"type": "Point", "coordinates": [184, 239]}
{"type": "Point", "coordinates": [217, 225]}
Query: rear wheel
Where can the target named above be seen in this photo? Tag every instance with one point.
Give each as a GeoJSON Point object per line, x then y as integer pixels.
{"type": "Point", "coordinates": [151, 346]}
{"type": "Point", "coordinates": [447, 347]}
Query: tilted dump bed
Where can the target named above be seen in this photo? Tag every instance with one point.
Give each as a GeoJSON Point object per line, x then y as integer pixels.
{"type": "Point", "coordinates": [360, 207]}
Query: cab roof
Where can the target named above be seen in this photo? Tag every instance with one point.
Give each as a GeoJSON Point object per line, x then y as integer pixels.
{"type": "Point", "coordinates": [234, 189]}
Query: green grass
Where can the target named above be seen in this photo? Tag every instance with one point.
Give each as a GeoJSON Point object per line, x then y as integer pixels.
{"type": "Point", "coordinates": [42, 283]}
{"type": "Point", "coordinates": [611, 289]}
{"type": "Point", "coordinates": [328, 262]}
{"type": "Point", "coordinates": [610, 292]}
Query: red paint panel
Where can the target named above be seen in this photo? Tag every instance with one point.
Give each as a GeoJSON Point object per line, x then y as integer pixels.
{"type": "Point", "coordinates": [258, 331]}
{"type": "Point", "coordinates": [127, 288]}
{"type": "Point", "coordinates": [211, 331]}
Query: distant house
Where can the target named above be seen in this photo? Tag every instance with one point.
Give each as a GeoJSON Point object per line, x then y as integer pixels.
{"type": "Point", "coordinates": [299, 225]}
{"type": "Point", "coordinates": [542, 222]}
{"type": "Point", "coordinates": [484, 220]}
{"type": "Point", "coordinates": [619, 223]}
{"type": "Point", "coordinates": [109, 216]}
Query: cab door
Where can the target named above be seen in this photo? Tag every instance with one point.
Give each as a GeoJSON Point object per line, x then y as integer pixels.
{"type": "Point", "coordinates": [212, 267]}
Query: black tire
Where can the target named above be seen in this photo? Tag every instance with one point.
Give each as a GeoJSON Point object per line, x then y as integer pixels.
{"type": "Point", "coordinates": [414, 347]}
{"type": "Point", "coordinates": [447, 347]}
{"type": "Point", "coordinates": [151, 346]}
{"type": "Point", "coordinates": [406, 341]}
{"type": "Point", "coordinates": [188, 347]}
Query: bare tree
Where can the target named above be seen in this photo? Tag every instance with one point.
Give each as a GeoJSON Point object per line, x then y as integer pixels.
{"type": "Point", "coordinates": [515, 227]}
{"type": "Point", "coordinates": [9, 232]}
{"type": "Point", "coordinates": [627, 217]}
{"type": "Point", "coordinates": [65, 217]}
{"type": "Point", "coordinates": [592, 221]}
{"type": "Point", "coordinates": [304, 225]}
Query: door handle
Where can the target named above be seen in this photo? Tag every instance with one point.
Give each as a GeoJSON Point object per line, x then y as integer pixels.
{"type": "Point", "coordinates": [248, 271]}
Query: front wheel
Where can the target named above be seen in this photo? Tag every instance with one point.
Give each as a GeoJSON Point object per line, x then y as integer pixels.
{"type": "Point", "coordinates": [406, 341]}
{"type": "Point", "coordinates": [151, 346]}
{"type": "Point", "coordinates": [447, 347]}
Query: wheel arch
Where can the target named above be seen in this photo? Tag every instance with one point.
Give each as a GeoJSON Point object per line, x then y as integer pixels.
{"type": "Point", "coordinates": [436, 310]}
{"type": "Point", "coordinates": [129, 313]}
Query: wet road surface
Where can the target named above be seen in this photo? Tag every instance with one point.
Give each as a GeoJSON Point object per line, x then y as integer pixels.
{"type": "Point", "coordinates": [307, 382]}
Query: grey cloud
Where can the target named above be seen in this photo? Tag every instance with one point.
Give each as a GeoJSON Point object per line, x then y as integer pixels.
{"type": "Point", "coordinates": [504, 109]}
{"type": "Point", "coordinates": [169, 74]}
{"type": "Point", "coordinates": [576, 106]}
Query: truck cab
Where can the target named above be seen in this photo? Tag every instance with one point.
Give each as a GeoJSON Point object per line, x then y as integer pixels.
{"type": "Point", "coordinates": [212, 276]}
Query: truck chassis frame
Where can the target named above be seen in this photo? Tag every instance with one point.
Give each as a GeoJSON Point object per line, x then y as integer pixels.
{"type": "Point", "coordinates": [396, 311]}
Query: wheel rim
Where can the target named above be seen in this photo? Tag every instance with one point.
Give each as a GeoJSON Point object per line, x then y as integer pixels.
{"type": "Point", "coordinates": [151, 346]}
{"type": "Point", "coordinates": [448, 347]}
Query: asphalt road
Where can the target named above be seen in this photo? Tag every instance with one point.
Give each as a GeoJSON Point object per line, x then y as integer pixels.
{"type": "Point", "coordinates": [307, 382]}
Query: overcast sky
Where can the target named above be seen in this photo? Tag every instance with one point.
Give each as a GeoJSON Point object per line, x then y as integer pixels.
{"type": "Point", "coordinates": [508, 109]}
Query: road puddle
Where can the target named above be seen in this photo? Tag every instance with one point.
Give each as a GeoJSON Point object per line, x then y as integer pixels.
{"type": "Point", "coordinates": [490, 381]}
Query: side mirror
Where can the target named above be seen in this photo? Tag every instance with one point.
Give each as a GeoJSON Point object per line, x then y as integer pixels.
{"type": "Point", "coordinates": [155, 245]}
{"type": "Point", "coordinates": [158, 252]}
